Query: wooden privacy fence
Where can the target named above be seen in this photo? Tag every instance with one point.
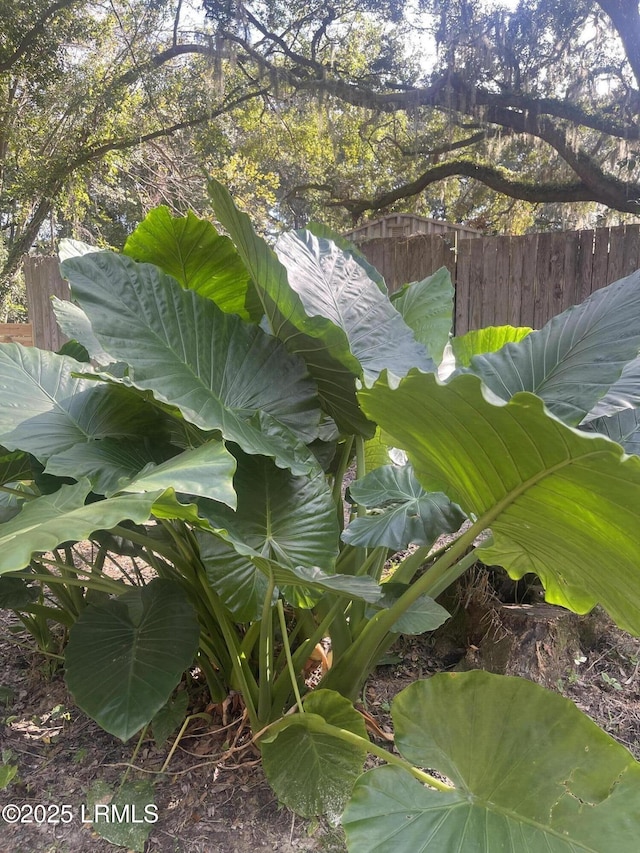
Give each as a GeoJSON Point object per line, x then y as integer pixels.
{"type": "Point", "coordinates": [43, 280]}
{"type": "Point", "coordinates": [522, 281]}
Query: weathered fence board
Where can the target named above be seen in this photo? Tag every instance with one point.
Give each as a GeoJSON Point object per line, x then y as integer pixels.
{"type": "Point", "coordinates": [16, 333]}
{"type": "Point", "coordinates": [43, 280]}
{"type": "Point", "coordinates": [403, 260]}
{"type": "Point", "coordinates": [522, 280]}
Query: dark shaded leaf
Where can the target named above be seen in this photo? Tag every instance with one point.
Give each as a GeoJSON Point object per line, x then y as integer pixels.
{"type": "Point", "coordinates": [312, 771]}
{"type": "Point", "coordinates": [126, 655]}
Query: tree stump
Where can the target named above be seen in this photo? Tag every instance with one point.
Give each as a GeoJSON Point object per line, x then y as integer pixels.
{"type": "Point", "coordinates": [540, 642]}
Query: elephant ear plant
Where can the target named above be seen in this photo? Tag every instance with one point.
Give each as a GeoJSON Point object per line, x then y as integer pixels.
{"type": "Point", "coordinates": [229, 389]}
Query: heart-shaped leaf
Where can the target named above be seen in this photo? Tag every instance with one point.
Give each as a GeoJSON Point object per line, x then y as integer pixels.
{"type": "Point", "coordinates": [529, 771]}
{"type": "Point", "coordinates": [310, 769]}
{"type": "Point", "coordinates": [407, 513]}
{"type": "Point", "coordinates": [126, 655]}
{"type": "Point", "coordinates": [218, 370]}
{"type": "Point", "coordinates": [290, 520]}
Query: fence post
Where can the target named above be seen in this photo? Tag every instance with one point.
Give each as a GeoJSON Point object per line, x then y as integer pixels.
{"type": "Point", "coordinates": [43, 280]}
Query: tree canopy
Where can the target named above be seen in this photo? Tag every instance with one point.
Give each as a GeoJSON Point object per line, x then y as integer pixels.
{"type": "Point", "coordinates": [80, 83]}
{"type": "Point", "coordinates": [506, 119]}
{"type": "Point", "coordinates": [560, 77]}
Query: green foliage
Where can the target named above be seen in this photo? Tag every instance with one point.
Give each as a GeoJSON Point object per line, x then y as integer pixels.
{"type": "Point", "coordinates": [562, 363]}
{"type": "Point", "coordinates": [211, 443]}
{"type": "Point", "coordinates": [457, 724]}
{"type": "Point", "coordinates": [311, 769]}
{"type": "Point", "coordinates": [317, 339]}
{"type": "Point", "coordinates": [170, 717]}
{"type": "Point", "coordinates": [490, 339]}
{"type": "Point", "coordinates": [333, 284]}
{"type": "Point", "coordinates": [191, 250]}
{"type": "Point", "coordinates": [404, 512]}
{"type": "Point", "coordinates": [8, 773]}
{"type": "Point", "coordinates": [427, 307]}
{"type": "Point", "coordinates": [145, 639]}
{"type": "Point", "coordinates": [125, 817]}
{"type": "Point", "coordinates": [515, 462]}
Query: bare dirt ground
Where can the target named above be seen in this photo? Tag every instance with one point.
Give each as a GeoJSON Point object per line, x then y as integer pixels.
{"type": "Point", "coordinates": [213, 796]}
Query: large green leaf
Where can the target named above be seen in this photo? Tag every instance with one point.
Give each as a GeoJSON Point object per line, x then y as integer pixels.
{"type": "Point", "coordinates": [571, 362]}
{"type": "Point", "coordinates": [427, 307]}
{"type": "Point", "coordinates": [126, 655]}
{"type": "Point", "coordinates": [489, 339]}
{"type": "Point", "coordinates": [290, 520]}
{"type": "Point", "coordinates": [46, 522]}
{"type": "Point", "coordinates": [560, 502]}
{"type": "Point", "coordinates": [623, 394]}
{"type": "Point", "coordinates": [312, 770]}
{"type": "Point", "coordinates": [45, 409]}
{"type": "Point", "coordinates": [75, 324]}
{"type": "Point", "coordinates": [406, 514]}
{"type": "Point", "coordinates": [623, 427]}
{"type": "Point", "coordinates": [111, 466]}
{"type": "Point", "coordinates": [531, 774]}
{"type": "Point", "coordinates": [332, 284]}
{"type": "Point", "coordinates": [218, 370]}
{"type": "Point", "coordinates": [322, 344]}
{"type": "Point", "coordinates": [191, 250]}
{"type": "Point", "coordinates": [318, 229]}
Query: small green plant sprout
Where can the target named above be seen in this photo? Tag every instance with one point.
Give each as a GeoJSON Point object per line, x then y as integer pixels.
{"type": "Point", "coordinates": [610, 681]}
